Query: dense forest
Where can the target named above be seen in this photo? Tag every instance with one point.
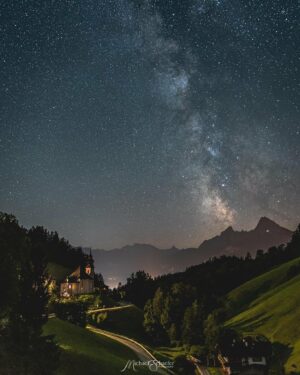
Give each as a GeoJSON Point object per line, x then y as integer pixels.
{"type": "Point", "coordinates": [24, 293]}
{"type": "Point", "coordinates": [187, 307]}
{"type": "Point", "coordinates": [57, 250]}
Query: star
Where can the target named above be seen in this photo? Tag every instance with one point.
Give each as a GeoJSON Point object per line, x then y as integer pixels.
{"type": "Point", "coordinates": [126, 121]}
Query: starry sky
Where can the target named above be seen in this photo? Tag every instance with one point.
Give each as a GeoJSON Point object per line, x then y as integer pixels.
{"type": "Point", "coordinates": [159, 121]}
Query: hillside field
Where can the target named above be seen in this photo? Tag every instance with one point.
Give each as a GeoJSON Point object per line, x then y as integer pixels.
{"type": "Point", "coordinates": [129, 322]}
{"type": "Point", "coordinates": [84, 352]}
{"type": "Point", "coordinates": [270, 305]}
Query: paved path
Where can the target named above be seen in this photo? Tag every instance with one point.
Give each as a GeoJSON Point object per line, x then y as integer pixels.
{"type": "Point", "coordinates": [142, 353]}
{"type": "Point", "coordinates": [202, 370]}
{"type": "Point", "coordinates": [106, 309]}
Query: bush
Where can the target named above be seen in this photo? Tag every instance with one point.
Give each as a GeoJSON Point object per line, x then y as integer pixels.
{"type": "Point", "coordinates": [101, 317]}
{"type": "Point", "coordinates": [86, 298]}
{"type": "Point", "coordinates": [97, 318]}
{"type": "Point", "coordinates": [199, 352]}
{"type": "Point", "coordinates": [72, 311]}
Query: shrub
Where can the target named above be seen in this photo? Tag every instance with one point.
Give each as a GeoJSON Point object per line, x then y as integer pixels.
{"type": "Point", "coordinates": [198, 351]}
{"type": "Point", "coordinates": [72, 311]}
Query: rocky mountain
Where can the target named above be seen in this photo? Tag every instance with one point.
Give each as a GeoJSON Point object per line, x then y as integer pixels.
{"type": "Point", "coordinates": [117, 264]}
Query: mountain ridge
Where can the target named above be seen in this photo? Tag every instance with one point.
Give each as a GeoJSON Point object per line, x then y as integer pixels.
{"type": "Point", "coordinates": [117, 264]}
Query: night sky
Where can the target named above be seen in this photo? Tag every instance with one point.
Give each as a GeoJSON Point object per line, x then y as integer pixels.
{"type": "Point", "coordinates": [159, 122]}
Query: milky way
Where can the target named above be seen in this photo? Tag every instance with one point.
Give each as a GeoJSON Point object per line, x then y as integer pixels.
{"type": "Point", "coordinates": [149, 121]}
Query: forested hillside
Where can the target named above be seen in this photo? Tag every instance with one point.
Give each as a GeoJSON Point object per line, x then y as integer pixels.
{"type": "Point", "coordinates": [173, 303]}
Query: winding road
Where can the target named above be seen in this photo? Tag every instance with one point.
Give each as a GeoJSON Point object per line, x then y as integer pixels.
{"type": "Point", "coordinates": [142, 353]}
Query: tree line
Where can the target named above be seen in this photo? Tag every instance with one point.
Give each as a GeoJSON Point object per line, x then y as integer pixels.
{"type": "Point", "coordinates": [24, 257]}
{"type": "Point", "coordinates": [188, 307]}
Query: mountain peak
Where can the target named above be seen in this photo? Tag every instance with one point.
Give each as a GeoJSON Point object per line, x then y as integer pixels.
{"type": "Point", "coordinates": [117, 264]}
{"type": "Point", "coordinates": [228, 230]}
{"type": "Point", "coordinates": [265, 223]}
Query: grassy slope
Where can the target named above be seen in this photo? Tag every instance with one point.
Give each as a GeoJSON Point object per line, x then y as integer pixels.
{"type": "Point", "coordinates": [270, 305]}
{"type": "Point", "coordinates": [87, 353]}
{"type": "Point", "coordinates": [127, 322]}
{"type": "Point", "coordinates": [215, 371]}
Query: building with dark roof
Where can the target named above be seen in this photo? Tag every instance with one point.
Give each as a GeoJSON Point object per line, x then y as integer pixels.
{"type": "Point", "coordinates": [80, 281]}
{"type": "Point", "coordinates": [248, 356]}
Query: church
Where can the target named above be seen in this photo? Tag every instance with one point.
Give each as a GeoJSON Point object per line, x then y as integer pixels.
{"type": "Point", "coordinates": [80, 281]}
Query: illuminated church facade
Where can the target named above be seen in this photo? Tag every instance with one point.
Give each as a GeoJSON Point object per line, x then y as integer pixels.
{"type": "Point", "coordinates": [80, 281]}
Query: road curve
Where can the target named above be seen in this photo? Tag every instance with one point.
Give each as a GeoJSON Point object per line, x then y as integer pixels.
{"type": "Point", "coordinates": [142, 353]}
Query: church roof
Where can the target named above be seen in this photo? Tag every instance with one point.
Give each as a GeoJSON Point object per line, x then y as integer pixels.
{"type": "Point", "coordinates": [77, 275]}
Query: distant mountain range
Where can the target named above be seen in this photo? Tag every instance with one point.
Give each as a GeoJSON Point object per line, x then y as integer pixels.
{"type": "Point", "coordinates": [117, 264]}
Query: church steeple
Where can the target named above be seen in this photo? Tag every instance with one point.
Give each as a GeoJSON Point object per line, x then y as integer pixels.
{"type": "Point", "coordinates": [89, 266]}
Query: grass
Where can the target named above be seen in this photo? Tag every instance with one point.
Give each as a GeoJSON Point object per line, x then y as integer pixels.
{"type": "Point", "coordinates": [127, 321]}
{"type": "Point", "coordinates": [84, 352]}
{"type": "Point", "coordinates": [246, 293]}
{"type": "Point", "coordinates": [165, 353]}
{"type": "Point", "coordinates": [270, 305]}
{"type": "Point", "coordinates": [215, 371]}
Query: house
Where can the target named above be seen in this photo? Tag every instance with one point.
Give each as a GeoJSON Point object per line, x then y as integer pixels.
{"type": "Point", "coordinates": [248, 356]}
{"type": "Point", "coordinates": [80, 281]}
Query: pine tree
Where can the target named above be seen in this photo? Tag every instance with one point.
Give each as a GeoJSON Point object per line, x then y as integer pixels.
{"type": "Point", "coordinates": [24, 297]}
{"type": "Point", "coordinates": [36, 354]}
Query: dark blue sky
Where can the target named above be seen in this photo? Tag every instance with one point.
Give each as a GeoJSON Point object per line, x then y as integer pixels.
{"type": "Point", "coordinates": [149, 121]}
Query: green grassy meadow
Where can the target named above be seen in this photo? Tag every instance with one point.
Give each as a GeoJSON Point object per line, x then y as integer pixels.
{"type": "Point", "coordinates": [84, 352]}
{"type": "Point", "coordinates": [270, 305]}
{"type": "Point", "coordinates": [215, 371]}
{"type": "Point", "coordinates": [127, 322]}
